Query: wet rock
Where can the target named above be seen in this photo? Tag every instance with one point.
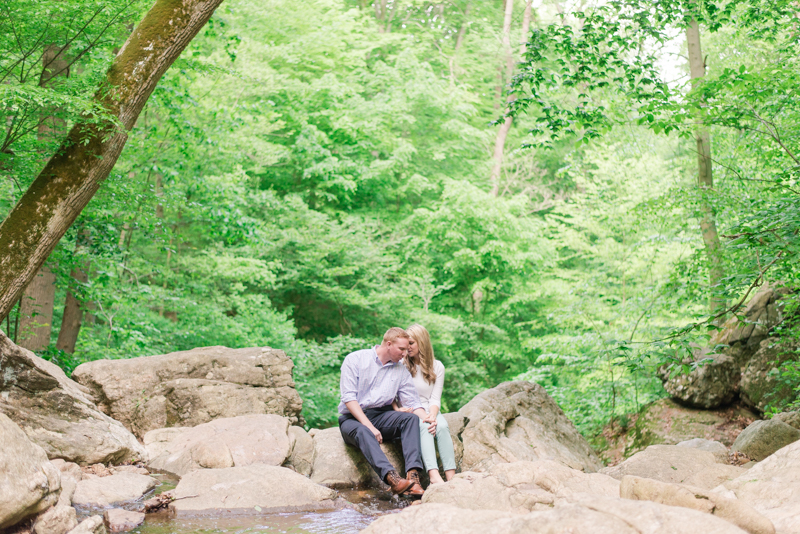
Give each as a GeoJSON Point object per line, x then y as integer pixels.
{"type": "Point", "coordinates": [193, 387]}
{"type": "Point", "coordinates": [235, 441]}
{"type": "Point", "coordinates": [56, 520]}
{"type": "Point", "coordinates": [676, 465]}
{"type": "Point", "coordinates": [57, 413]}
{"type": "Point", "coordinates": [118, 520]}
{"type": "Point", "coordinates": [716, 448]}
{"type": "Point", "coordinates": [762, 438]}
{"type": "Point", "coordinates": [772, 487]}
{"type": "Point", "coordinates": [30, 483]}
{"type": "Point", "coordinates": [253, 489]}
{"type": "Point", "coordinates": [337, 465]}
{"type": "Point", "coordinates": [90, 525]}
{"type": "Point", "coordinates": [301, 455]}
{"type": "Point", "coordinates": [591, 516]}
{"type": "Point", "coordinates": [103, 492]}
{"type": "Point", "coordinates": [520, 487]}
{"type": "Point", "coordinates": [731, 510]}
{"type": "Point", "coordinates": [519, 421]}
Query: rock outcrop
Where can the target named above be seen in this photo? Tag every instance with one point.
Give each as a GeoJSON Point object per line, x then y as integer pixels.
{"type": "Point", "coordinates": [716, 448]}
{"type": "Point", "coordinates": [665, 422]}
{"type": "Point", "coordinates": [29, 483]}
{"type": "Point", "coordinates": [763, 438]}
{"type": "Point", "coordinates": [113, 490]}
{"type": "Point", "coordinates": [772, 487]}
{"type": "Point", "coordinates": [58, 519]}
{"type": "Point", "coordinates": [193, 387]}
{"type": "Point", "coordinates": [337, 465]}
{"type": "Point", "coordinates": [229, 442]}
{"type": "Point", "coordinates": [57, 413]}
{"type": "Point", "coordinates": [253, 489]}
{"type": "Point", "coordinates": [90, 525]}
{"type": "Point", "coordinates": [676, 465]}
{"type": "Point", "coordinates": [119, 520]}
{"type": "Point", "coordinates": [519, 421]}
{"type": "Point", "coordinates": [520, 487]}
{"type": "Point", "coordinates": [709, 502]}
{"type": "Point", "coordinates": [592, 516]}
{"type": "Point", "coordinates": [737, 360]}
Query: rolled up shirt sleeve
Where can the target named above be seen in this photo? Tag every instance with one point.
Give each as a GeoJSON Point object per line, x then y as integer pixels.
{"type": "Point", "coordinates": [436, 396]}
{"type": "Point", "coordinates": [348, 383]}
{"type": "Point", "coordinates": [407, 392]}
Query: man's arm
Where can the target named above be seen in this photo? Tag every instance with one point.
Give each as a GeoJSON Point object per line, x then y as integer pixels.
{"type": "Point", "coordinates": [409, 397]}
{"type": "Point", "coordinates": [361, 417]}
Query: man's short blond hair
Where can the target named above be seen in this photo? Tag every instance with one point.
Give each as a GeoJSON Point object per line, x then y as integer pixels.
{"type": "Point", "coordinates": [394, 333]}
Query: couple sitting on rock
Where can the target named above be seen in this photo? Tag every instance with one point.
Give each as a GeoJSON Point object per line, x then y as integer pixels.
{"type": "Point", "coordinates": [393, 391]}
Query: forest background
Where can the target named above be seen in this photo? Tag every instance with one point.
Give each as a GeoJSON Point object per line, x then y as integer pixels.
{"type": "Point", "coordinates": [308, 174]}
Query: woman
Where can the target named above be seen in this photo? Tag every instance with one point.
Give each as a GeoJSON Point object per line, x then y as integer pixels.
{"type": "Point", "coordinates": [428, 375]}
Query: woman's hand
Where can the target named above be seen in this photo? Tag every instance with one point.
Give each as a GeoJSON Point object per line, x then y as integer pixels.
{"type": "Point", "coordinates": [430, 418]}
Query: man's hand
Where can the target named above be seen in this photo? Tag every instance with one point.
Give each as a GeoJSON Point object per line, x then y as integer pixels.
{"type": "Point", "coordinates": [403, 409]}
{"type": "Point", "coordinates": [376, 433]}
{"type": "Point", "coordinates": [431, 427]}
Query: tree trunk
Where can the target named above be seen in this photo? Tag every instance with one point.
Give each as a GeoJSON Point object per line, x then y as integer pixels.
{"type": "Point", "coordinates": [462, 31]}
{"type": "Point", "coordinates": [73, 310]}
{"type": "Point", "coordinates": [502, 133]}
{"type": "Point", "coordinates": [705, 180]}
{"type": "Point", "coordinates": [75, 172]}
{"type": "Point", "coordinates": [36, 312]}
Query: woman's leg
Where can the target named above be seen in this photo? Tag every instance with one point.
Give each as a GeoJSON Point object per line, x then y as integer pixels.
{"type": "Point", "coordinates": [428, 450]}
{"type": "Point", "coordinates": [445, 443]}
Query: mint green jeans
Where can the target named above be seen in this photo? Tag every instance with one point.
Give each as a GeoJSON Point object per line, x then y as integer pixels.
{"type": "Point", "coordinates": [446, 452]}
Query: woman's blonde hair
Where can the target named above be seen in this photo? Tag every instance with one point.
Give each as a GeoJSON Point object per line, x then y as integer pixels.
{"type": "Point", "coordinates": [420, 335]}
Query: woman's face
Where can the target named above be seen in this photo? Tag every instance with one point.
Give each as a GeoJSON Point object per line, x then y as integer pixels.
{"type": "Point", "coordinates": [413, 349]}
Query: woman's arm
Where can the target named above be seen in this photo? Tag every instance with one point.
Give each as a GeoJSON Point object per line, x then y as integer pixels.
{"type": "Point", "coordinates": [436, 396]}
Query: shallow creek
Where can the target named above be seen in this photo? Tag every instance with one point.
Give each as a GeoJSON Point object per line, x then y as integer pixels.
{"type": "Point", "coordinates": [368, 505]}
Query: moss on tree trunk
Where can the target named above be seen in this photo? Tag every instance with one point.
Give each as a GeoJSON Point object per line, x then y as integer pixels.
{"type": "Point", "coordinates": [84, 159]}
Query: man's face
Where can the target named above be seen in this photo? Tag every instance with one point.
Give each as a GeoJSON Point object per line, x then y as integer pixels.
{"type": "Point", "coordinates": [398, 349]}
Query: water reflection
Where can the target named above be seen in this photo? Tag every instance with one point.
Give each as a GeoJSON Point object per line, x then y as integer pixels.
{"type": "Point", "coordinates": [367, 505]}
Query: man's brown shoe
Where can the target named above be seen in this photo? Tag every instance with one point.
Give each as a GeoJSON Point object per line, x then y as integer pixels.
{"type": "Point", "coordinates": [397, 484]}
{"type": "Point", "coordinates": [415, 491]}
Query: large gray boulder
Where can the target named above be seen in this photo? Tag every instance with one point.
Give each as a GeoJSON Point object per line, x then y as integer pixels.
{"type": "Point", "coordinates": [29, 483]}
{"type": "Point", "coordinates": [676, 465]}
{"type": "Point", "coordinates": [58, 519]}
{"type": "Point", "coordinates": [772, 487]}
{"type": "Point", "coordinates": [338, 465]}
{"type": "Point", "coordinates": [228, 442]}
{"type": "Point", "coordinates": [709, 502]}
{"type": "Point", "coordinates": [762, 438]}
{"type": "Point", "coordinates": [193, 387]}
{"type": "Point", "coordinates": [599, 515]}
{"type": "Point", "coordinates": [253, 489]}
{"type": "Point", "coordinates": [759, 387]}
{"type": "Point", "coordinates": [519, 421]}
{"type": "Point", "coordinates": [738, 359]}
{"type": "Point", "coordinates": [520, 487]}
{"type": "Point", "coordinates": [712, 383]}
{"type": "Point", "coordinates": [58, 414]}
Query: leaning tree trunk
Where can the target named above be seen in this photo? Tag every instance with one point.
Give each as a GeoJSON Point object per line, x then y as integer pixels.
{"type": "Point", "coordinates": [705, 179]}
{"type": "Point", "coordinates": [74, 174]}
{"type": "Point", "coordinates": [502, 133]}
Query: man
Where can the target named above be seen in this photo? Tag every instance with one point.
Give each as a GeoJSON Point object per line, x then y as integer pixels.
{"type": "Point", "coordinates": [371, 380]}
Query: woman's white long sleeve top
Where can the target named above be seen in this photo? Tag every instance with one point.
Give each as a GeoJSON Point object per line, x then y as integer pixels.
{"type": "Point", "coordinates": [430, 394]}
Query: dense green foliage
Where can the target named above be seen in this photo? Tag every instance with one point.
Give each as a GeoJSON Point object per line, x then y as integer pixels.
{"type": "Point", "coordinates": [309, 174]}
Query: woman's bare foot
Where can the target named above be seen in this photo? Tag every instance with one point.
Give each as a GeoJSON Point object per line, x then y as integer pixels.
{"type": "Point", "coordinates": [435, 477]}
{"type": "Point", "coordinates": [449, 474]}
